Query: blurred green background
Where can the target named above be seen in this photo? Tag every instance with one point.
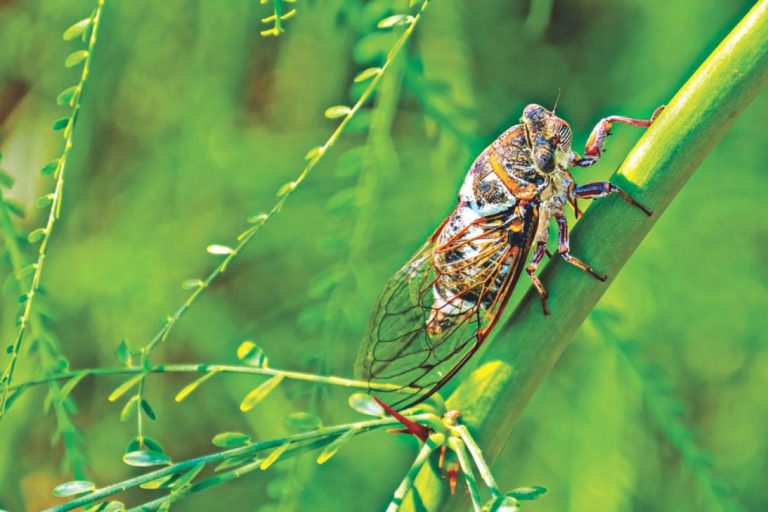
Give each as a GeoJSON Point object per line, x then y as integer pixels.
{"type": "Point", "coordinates": [191, 121]}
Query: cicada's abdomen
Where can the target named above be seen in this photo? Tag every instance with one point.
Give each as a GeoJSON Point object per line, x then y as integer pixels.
{"type": "Point", "coordinates": [472, 262]}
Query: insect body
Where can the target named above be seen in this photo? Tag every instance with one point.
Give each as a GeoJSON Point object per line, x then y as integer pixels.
{"type": "Point", "coordinates": [439, 308]}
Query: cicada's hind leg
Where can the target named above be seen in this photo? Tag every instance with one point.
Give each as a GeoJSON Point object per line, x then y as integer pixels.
{"type": "Point", "coordinates": [605, 188]}
{"type": "Point", "coordinates": [594, 147]}
{"type": "Point", "coordinates": [541, 250]}
{"type": "Point", "coordinates": [564, 247]}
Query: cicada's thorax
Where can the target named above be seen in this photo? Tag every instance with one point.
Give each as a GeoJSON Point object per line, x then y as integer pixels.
{"type": "Point", "coordinates": [500, 189]}
{"type": "Point", "coordinates": [502, 177]}
{"type": "Point", "coordinates": [552, 200]}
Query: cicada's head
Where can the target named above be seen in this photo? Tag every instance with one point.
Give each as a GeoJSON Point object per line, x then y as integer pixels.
{"type": "Point", "coordinates": [548, 137]}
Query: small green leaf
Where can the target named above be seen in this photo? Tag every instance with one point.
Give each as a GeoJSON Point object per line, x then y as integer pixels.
{"type": "Point", "coordinates": [146, 458]}
{"type": "Point", "coordinates": [314, 152]}
{"type": "Point", "coordinates": [67, 388]}
{"type": "Point", "coordinates": [527, 493]}
{"type": "Point", "coordinates": [365, 404]}
{"type": "Point", "coordinates": [163, 481]}
{"type": "Point", "coordinates": [26, 271]}
{"type": "Point", "coordinates": [502, 504]}
{"type": "Point", "coordinates": [189, 388]}
{"type": "Point", "coordinates": [219, 249]}
{"type": "Point", "coordinates": [272, 458]}
{"type": "Point", "coordinates": [366, 74]}
{"type": "Point", "coordinates": [191, 284]}
{"type": "Point", "coordinates": [77, 29]}
{"type": "Point", "coordinates": [44, 201]}
{"type": "Point", "coordinates": [75, 58]}
{"type": "Point", "coordinates": [50, 167]}
{"type": "Point", "coordinates": [114, 506]}
{"type": "Point", "coordinates": [252, 355]}
{"type": "Point", "coordinates": [258, 218]}
{"type": "Point", "coordinates": [231, 439]}
{"type": "Point", "coordinates": [187, 477]}
{"type": "Point", "coordinates": [60, 124]}
{"type": "Point", "coordinates": [73, 488]}
{"type": "Point", "coordinates": [22, 298]}
{"type": "Point", "coordinates": [123, 353]}
{"type": "Point", "coordinates": [66, 96]}
{"type": "Point", "coordinates": [15, 208]}
{"type": "Point", "coordinates": [337, 443]}
{"type": "Point", "coordinates": [148, 410]}
{"type": "Point", "coordinates": [397, 20]}
{"type": "Point", "coordinates": [129, 409]}
{"type": "Point", "coordinates": [149, 442]}
{"type": "Point", "coordinates": [36, 235]}
{"type": "Point", "coordinates": [124, 387]}
{"type": "Point", "coordinates": [302, 422]}
{"type": "Point", "coordinates": [337, 111]}
{"type": "Point", "coordinates": [287, 187]}
{"type": "Point", "coordinates": [235, 461]}
{"type": "Point", "coordinates": [6, 180]}
{"type": "Point", "coordinates": [259, 393]}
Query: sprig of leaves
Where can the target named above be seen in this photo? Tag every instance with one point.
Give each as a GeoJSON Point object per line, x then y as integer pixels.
{"type": "Point", "coordinates": [43, 341]}
{"type": "Point", "coordinates": [244, 455]}
{"type": "Point", "coordinates": [72, 97]}
{"type": "Point", "coordinates": [257, 221]}
{"type": "Point", "coordinates": [277, 17]}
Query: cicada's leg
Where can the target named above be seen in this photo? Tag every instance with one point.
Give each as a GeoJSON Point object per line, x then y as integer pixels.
{"type": "Point", "coordinates": [564, 247]}
{"type": "Point", "coordinates": [602, 129]}
{"type": "Point", "coordinates": [604, 188]}
{"type": "Point", "coordinates": [541, 250]}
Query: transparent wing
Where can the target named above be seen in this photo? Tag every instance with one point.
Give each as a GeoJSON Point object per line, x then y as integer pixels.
{"type": "Point", "coordinates": [437, 310]}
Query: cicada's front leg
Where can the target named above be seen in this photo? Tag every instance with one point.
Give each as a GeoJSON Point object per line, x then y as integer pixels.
{"type": "Point", "coordinates": [594, 148]}
{"type": "Point", "coordinates": [564, 248]}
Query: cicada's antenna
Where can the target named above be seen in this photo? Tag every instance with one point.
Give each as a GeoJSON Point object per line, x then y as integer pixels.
{"type": "Point", "coordinates": [557, 100]}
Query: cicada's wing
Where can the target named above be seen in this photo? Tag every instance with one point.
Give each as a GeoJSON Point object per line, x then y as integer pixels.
{"type": "Point", "coordinates": [437, 310]}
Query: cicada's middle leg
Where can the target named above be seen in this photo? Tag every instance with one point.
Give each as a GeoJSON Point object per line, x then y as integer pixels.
{"type": "Point", "coordinates": [602, 189]}
{"type": "Point", "coordinates": [564, 248]}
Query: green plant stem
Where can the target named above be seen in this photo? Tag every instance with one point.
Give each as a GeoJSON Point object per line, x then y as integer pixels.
{"type": "Point", "coordinates": [210, 368]}
{"type": "Point", "coordinates": [654, 172]}
{"type": "Point", "coordinates": [53, 214]}
{"type": "Point", "coordinates": [47, 354]}
{"type": "Point", "coordinates": [317, 155]}
{"type": "Point", "coordinates": [407, 484]}
{"type": "Point", "coordinates": [226, 476]}
{"type": "Point", "coordinates": [477, 456]}
{"type": "Point", "coordinates": [460, 450]}
{"type": "Point", "coordinates": [327, 432]}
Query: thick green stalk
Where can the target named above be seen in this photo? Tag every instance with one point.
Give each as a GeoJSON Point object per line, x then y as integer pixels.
{"type": "Point", "coordinates": [529, 344]}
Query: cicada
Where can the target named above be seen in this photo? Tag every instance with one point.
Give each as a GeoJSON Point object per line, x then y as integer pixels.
{"type": "Point", "coordinates": [440, 307]}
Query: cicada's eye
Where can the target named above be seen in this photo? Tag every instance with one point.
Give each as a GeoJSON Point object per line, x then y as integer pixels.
{"type": "Point", "coordinates": [564, 137]}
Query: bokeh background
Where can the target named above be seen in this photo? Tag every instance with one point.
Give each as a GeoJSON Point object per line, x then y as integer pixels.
{"type": "Point", "coordinates": [191, 121]}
